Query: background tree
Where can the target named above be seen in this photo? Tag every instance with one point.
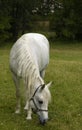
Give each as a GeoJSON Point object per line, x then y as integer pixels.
{"type": "Point", "coordinates": [5, 19]}
{"type": "Point", "coordinates": [67, 20]}
{"type": "Point", "coordinates": [21, 16]}
{"type": "Point", "coordinates": [17, 16]}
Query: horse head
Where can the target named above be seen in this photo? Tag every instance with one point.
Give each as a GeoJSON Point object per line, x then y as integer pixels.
{"type": "Point", "coordinates": [39, 102]}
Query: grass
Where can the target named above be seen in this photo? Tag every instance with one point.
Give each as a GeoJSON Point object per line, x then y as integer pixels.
{"type": "Point", "coordinates": [65, 110]}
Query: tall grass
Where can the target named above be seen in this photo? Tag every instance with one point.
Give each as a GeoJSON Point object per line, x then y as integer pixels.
{"type": "Point", "coordinates": [65, 110]}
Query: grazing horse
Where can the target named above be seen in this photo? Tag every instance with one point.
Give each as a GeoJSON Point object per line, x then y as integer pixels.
{"type": "Point", "coordinates": [29, 58]}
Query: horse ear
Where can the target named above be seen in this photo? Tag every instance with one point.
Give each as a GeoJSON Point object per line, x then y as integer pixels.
{"type": "Point", "coordinates": [49, 84]}
{"type": "Point", "coordinates": [43, 86]}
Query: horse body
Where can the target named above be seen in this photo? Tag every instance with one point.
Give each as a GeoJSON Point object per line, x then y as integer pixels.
{"type": "Point", "coordinates": [35, 46]}
{"type": "Point", "coordinates": [29, 58]}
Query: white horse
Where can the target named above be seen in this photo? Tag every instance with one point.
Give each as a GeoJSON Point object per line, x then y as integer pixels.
{"type": "Point", "coordinates": [29, 58]}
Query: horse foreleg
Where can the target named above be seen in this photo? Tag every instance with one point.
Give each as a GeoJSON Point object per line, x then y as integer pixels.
{"type": "Point", "coordinates": [17, 84]}
{"type": "Point", "coordinates": [29, 113]}
{"type": "Point", "coordinates": [26, 95]}
{"type": "Point", "coordinates": [27, 106]}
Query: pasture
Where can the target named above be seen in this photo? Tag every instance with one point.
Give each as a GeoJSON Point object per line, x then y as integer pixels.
{"type": "Point", "coordinates": [65, 109]}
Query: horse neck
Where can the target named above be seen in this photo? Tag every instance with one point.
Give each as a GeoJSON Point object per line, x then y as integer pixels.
{"type": "Point", "coordinates": [34, 84]}
{"type": "Point", "coordinates": [32, 75]}
{"type": "Point", "coordinates": [34, 79]}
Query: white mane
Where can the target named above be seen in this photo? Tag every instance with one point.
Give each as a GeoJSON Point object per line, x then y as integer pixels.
{"type": "Point", "coordinates": [26, 65]}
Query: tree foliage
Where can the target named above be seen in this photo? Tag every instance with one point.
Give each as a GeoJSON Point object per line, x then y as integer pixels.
{"type": "Point", "coordinates": [16, 17]}
{"type": "Point", "coordinates": [4, 19]}
{"type": "Point", "coordinates": [67, 21]}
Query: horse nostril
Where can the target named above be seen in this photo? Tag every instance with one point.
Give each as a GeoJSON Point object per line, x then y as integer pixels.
{"type": "Point", "coordinates": [43, 122]}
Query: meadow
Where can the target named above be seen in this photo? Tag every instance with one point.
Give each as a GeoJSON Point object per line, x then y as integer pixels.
{"type": "Point", "coordinates": [65, 109]}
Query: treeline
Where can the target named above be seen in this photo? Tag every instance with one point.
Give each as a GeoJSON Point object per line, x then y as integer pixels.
{"type": "Point", "coordinates": [15, 17]}
{"type": "Point", "coordinates": [18, 16]}
{"type": "Point", "coordinates": [67, 21]}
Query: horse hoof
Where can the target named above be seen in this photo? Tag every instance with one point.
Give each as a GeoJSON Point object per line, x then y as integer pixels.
{"type": "Point", "coordinates": [29, 118]}
{"type": "Point", "coordinates": [25, 108]}
{"type": "Point", "coordinates": [17, 111]}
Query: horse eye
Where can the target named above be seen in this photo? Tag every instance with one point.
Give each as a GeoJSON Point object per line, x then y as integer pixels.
{"type": "Point", "coordinates": [40, 102]}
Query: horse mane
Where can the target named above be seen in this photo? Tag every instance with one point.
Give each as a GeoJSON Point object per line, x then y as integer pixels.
{"type": "Point", "coordinates": [26, 64]}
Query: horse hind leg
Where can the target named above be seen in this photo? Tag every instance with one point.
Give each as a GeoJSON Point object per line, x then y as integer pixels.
{"type": "Point", "coordinates": [17, 84]}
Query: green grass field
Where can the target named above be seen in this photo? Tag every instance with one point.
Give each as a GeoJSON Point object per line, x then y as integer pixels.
{"type": "Point", "coordinates": [65, 110]}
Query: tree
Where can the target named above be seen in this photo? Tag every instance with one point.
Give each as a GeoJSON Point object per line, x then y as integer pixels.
{"type": "Point", "coordinates": [21, 15]}
{"type": "Point", "coordinates": [15, 16]}
{"type": "Point", "coordinates": [4, 19]}
{"type": "Point", "coordinates": [67, 21]}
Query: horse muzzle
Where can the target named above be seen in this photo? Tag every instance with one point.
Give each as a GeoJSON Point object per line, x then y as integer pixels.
{"type": "Point", "coordinates": [43, 122]}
